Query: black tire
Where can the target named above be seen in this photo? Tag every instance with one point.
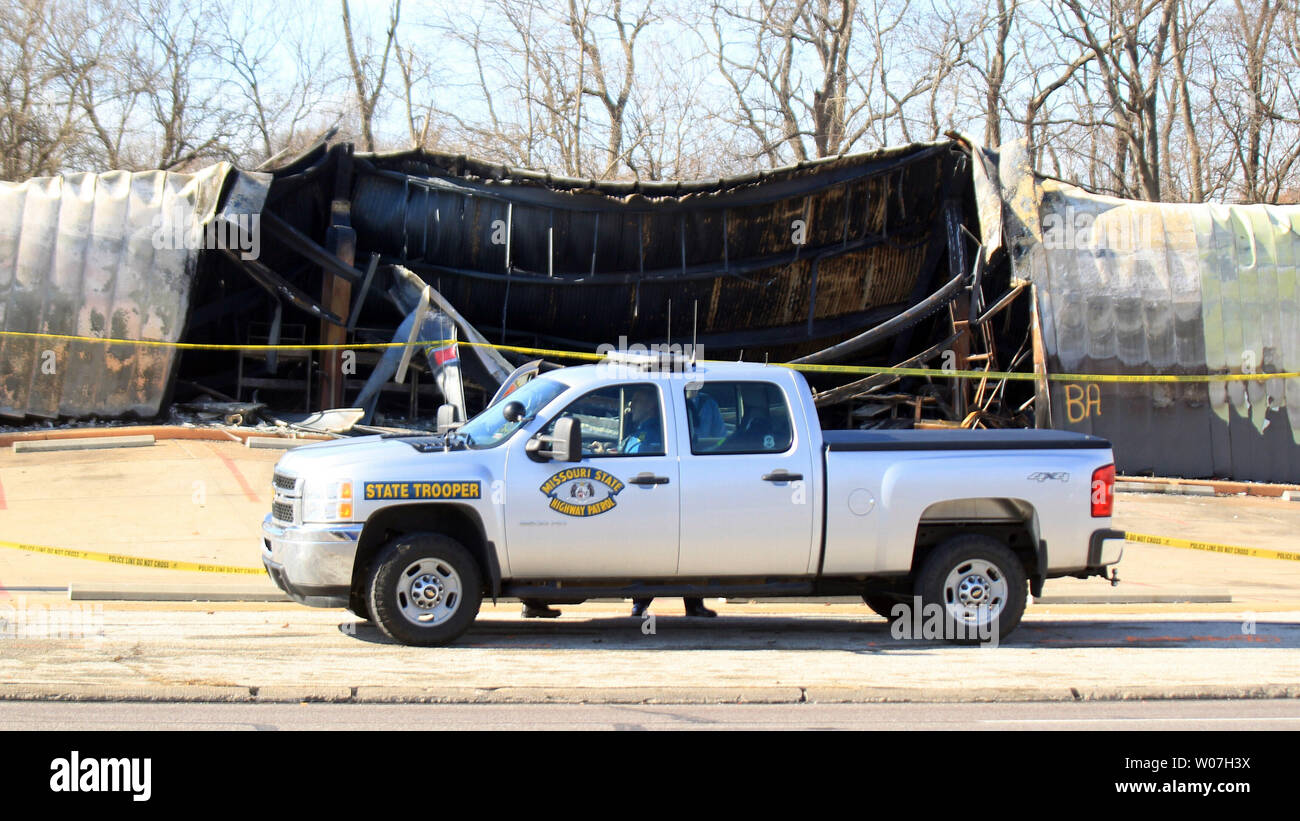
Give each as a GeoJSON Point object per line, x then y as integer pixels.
{"type": "Point", "coordinates": [989, 566]}
{"type": "Point", "coordinates": [882, 604]}
{"type": "Point", "coordinates": [419, 568]}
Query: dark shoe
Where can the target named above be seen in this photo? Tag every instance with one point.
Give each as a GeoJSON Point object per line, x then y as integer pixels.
{"type": "Point", "coordinates": [540, 611]}
{"type": "Point", "coordinates": [640, 607]}
{"type": "Point", "coordinates": [699, 611]}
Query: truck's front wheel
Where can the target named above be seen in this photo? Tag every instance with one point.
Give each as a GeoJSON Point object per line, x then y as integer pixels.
{"type": "Point", "coordinates": [424, 589]}
{"type": "Point", "coordinates": [978, 585]}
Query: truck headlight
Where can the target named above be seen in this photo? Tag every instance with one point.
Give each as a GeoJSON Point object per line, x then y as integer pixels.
{"type": "Point", "coordinates": [327, 501]}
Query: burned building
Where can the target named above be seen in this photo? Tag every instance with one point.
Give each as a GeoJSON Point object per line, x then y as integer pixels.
{"type": "Point", "coordinates": [931, 255]}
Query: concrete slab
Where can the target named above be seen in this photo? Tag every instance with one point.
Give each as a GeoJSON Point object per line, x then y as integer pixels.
{"type": "Point", "coordinates": [1139, 597]}
{"type": "Point", "coordinates": [265, 592]}
{"type": "Point", "coordinates": [1192, 490]}
{"type": "Point", "coordinates": [275, 442]}
{"type": "Point", "coordinates": [87, 443]}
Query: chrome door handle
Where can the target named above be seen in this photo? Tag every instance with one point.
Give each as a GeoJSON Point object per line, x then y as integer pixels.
{"type": "Point", "coordinates": [648, 479]}
{"type": "Point", "coordinates": [782, 476]}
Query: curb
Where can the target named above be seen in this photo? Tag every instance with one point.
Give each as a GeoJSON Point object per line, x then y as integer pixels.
{"type": "Point", "coordinates": [173, 593]}
{"type": "Point", "coordinates": [1204, 487]}
{"type": "Point", "coordinates": [280, 694]}
{"type": "Point", "coordinates": [1205, 597]}
{"type": "Point", "coordinates": [82, 443]}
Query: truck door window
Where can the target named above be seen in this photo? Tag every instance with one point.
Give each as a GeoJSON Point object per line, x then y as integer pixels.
{"type": "Point", "coordinates": [622, 420]}
{"type": "Point", "coordinates": [737, 417]}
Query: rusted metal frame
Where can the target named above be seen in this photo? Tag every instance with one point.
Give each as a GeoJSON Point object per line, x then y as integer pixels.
{"type": "Point", "coordinates": [640, 265]}
{"type": "Point", "coordinates": [1005, 300]}
{"type": "Point", "coordinates": [726, 241]}
{"type": "Point", "coordinates": [336, 288]}
{"type": "Point", "coordinates": [861, 387]}
{"type": "Point", "coordinates": [812, 291]}
{"type": "Point", "coordinates": [923, 285]}
{"type": "Point", "coordinates": [505, 301]}
{"type": "Point", "coordinates": [990, 355]}
{"type": "Point", "coordinates": [303, 156]}
{"type": "Point", "coordinates": [844, 221]}
{"type": "Point", "coordinates": [763, 337]}
{"type": "Point", "coordinates": [921, 306]}
{"type": "Point", "coordinates": [674, 274]}
{"type": "Point", "coordinates": [976, 292]}
{"type": "Point", "coordinates": [804, 212]}
{"type": "Point", "coordinates": [282, 187]}
{"type": "Point", "coordinates": [406, 218]}
{"type": "Point", "coordinates": [998, 392]}
{"type": "Point", "coordinates": [510, 233]}
{"type": "Point", "coordinates": [280, 288]}
{"type": "Point", "coordinates": [424, 227]}
{"type": "Point", "coordinates": [305, 246]}
{"type": "Point", "coordinates": [959, 309]}
{"type": "Point", "coordinates": [884, 330]}
{"type": "Point", "coordinates": [365, 289]}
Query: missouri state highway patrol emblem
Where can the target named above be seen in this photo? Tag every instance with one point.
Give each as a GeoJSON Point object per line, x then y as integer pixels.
{"type": "Point", "coordinates": [581, 491]}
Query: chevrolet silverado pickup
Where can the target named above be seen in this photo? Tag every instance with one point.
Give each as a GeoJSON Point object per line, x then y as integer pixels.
{"type": "Point", "coordinates": [632, 478]}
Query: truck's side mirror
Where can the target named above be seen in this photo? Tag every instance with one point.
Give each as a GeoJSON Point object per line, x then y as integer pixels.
{"type": "Point", "coordinates": [565, 445]}
{"type": "Point", "coordinates": [448, 418]}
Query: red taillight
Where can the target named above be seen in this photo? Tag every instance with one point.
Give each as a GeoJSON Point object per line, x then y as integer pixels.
{"type": "Point", "coordinates": [1103, 491]}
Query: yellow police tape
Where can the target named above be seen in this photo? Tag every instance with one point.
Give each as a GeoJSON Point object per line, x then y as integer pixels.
{"type": "Point", "coordinates": [940, 373]}
{"type": "Point", "coordinates": [135, 561]}
{"type": "Point", "coordinates": [1211, 547]}
{"type": "Point", "coordinates": [196, 567]}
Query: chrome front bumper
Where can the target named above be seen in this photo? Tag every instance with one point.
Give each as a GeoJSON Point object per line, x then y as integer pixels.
{"type": "Point", "coordinates": [312, 563]}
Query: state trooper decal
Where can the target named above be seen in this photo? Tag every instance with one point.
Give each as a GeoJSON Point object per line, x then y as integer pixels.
{"type": "Point", "coordinates": [581, 491]}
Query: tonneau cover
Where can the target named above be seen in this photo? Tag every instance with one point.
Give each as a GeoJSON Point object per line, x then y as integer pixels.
{"type": "Point", "coordinates": [960, 440]}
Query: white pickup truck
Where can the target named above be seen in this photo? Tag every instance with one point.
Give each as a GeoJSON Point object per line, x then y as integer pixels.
{"type": "Point", "coordinates": [634, 478]}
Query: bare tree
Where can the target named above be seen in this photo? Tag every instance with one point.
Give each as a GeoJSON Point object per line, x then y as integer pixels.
{"type": "Point", "coordinates": [368, 71]}
{"type": "Point", "coordinates": [39, 105]}
{"type": "Point", "coordinates": [284, 78]}
{"type": "Point", "coordinates": [612, 92]}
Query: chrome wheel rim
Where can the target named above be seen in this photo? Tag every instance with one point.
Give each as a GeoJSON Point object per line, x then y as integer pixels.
{"type": "Point", "coordinates": [975, 592]}
{"type": "Point", "coordinates": [428, 592]}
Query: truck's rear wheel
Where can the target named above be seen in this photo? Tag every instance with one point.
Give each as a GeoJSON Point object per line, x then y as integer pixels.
{"type": "Point", "coordinates": [424, 589]}
{"type": "Point", "coordinates": [979, 586]}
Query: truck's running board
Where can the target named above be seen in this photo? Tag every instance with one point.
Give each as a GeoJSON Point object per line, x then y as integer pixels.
{"type": "Point", "coordinates": [668, 589]}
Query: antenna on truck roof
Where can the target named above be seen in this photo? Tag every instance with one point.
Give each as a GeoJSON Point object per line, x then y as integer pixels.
{"type": "Point", "coordinates": [695, 326]}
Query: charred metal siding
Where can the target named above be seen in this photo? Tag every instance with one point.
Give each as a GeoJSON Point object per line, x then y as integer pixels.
{"type": "Point", "coordinates": [1143, 288]}
{"type": "Point", "coordinates": [78, 257]}
{"type": "Point", "coordinates": [588, 262]}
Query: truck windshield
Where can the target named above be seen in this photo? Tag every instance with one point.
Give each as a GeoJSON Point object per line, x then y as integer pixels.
{"type": "Point", "coordinates": [490, 428]}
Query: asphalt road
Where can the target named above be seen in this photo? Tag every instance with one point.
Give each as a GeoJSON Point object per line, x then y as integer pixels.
{"type": "Point", "coordinates": [1105, 716]}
